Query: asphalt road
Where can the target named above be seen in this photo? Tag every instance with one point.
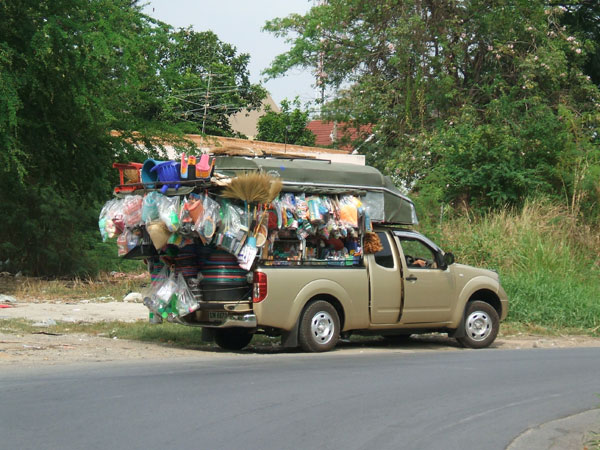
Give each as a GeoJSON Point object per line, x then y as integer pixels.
{"type": "Point", "coordinates": [435, 400]}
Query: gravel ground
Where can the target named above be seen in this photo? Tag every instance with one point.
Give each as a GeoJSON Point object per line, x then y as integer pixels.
{"type": "Point", "coordinates": [41, 347]}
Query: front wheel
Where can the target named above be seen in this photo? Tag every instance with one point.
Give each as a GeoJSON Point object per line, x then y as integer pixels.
{"type": "Point", "coordinates": [319, 327]}
{"type": "Point", "coordinates": [232, 338]}
{"type": "Point", "coordinates": [481, 323]}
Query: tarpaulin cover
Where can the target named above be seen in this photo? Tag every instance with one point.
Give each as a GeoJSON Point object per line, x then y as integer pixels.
{"type": "Point", "coordinates": [306, 175]}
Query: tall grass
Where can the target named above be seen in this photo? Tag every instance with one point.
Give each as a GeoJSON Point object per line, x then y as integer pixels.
{"type": "Point", "coordinates": [549, 262]}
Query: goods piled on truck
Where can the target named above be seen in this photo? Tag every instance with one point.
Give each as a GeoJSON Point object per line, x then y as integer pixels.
{"type": "Point", "coordinates": [202, 227]}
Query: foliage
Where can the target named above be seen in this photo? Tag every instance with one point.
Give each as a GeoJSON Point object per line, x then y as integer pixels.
{"type": "Point", "coordinates": [481, 103]}
{"type": "Point", "coordinates": [288, 126]}
{"type": "Point", "coordinates": [583, 18]}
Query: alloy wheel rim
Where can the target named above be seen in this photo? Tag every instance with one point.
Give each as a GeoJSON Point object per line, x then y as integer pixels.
{"type": "Point", "coordinates": [478, 325]}
{"type": "Point", "coordinates": [322, 327]}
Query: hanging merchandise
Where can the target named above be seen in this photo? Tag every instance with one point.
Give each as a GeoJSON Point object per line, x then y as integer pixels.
{"type": "Point", "coordinates": [104, 218]}
{"type": "Point", "coordinates": [368, 224]}
{"type": "Point", "coordinates": [289, 214]}
{"type": "Point", "coordinates": [158, 295]}
{"type": "Point", "coordinates": [349, 211]}
{"type": "Point", "coordinates": [111, 222]}
{"type": "Point", "coordinates": [372, 243]}
{"type": "Point", "coordinates": [159, 233]}
{"type": "Point", "coordinates": [150, 207]}
{"type": "Point", "coordinates": [317, 210]}
{"type": "Point", "coordinates": [186, 223]}
{"type": "Point", "coordinates": [132, 210]}
{"type": "Point", "coordinates": [186, 303]}
{"type": "Point", "coordinates": [233, 232]}
{"type": "Point", "coordinates": [253, 187]}
{"type": "Point", "coordinates": [248, 253]}
{"type": "Point", "coordinates": [207, 222]}
{"type": "Point", "coordinates": [168, 210]}
{"type": "Point", "coordinates": [301, 208]}
{"type": "Point", "coordinates": [166, 297]}
{"type": "Point", "coordinates": [195, 207]}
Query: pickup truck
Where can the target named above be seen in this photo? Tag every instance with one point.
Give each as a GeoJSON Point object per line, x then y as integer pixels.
{"type": "Point", "coordinates": [410, 286]}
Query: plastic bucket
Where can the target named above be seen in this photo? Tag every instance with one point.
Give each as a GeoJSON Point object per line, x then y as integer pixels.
{"type": "Point", "coordinates": [223, 278]}
{"type": "Point", "coordinates": [149, 176]}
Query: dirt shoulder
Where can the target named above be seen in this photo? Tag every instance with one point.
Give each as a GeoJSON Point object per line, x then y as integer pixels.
{"type": "Point", "coordinates": [43, 347]}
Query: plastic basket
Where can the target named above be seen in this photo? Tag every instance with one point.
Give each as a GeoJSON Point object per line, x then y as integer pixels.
{"type": "Point", "coordinates": [168, 172]}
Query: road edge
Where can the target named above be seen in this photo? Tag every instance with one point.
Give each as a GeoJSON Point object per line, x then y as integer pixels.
{"type": "Point", "coordinates": [571, 432]}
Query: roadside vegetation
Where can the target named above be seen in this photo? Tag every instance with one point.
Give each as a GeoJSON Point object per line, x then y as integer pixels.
{"type": "Point", "coordinates": [548, 260]}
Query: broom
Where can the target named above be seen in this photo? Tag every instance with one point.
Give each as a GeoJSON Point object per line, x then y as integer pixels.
{"type": "Point", "coordinates": [372, 243]}
{"type": "Point", "coordinates": [253, 187]}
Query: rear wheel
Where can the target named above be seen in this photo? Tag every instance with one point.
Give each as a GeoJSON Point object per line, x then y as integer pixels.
{"type": "Point", "coordinates": [481, 323]}
{"type": "Point", "coordinates": [232, 338]}
{"type": "Point", "coordinates": [319, 327]}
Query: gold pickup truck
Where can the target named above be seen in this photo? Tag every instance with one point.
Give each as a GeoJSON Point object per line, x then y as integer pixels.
{"type": "Point", "coordinates": [411, 286]}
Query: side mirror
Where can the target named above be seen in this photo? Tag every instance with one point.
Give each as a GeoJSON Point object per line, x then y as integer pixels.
{"type": "Point", "coordinates": [448, 259]}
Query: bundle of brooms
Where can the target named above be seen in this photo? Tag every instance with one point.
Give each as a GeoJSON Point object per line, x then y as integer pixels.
{"type": "Point", "coordinates": [253, 187]}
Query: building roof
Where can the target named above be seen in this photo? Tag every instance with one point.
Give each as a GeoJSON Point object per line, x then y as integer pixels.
{"type": "Point", "coordinates": [327, 133]}
{"type": "Point", "coordinates": [219, 145]}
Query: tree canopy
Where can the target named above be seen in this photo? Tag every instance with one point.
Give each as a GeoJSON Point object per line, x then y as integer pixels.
{"type": "Point", "coordinates": [287, 126]}
{"type": "Point", "coordinates": [480, 102]}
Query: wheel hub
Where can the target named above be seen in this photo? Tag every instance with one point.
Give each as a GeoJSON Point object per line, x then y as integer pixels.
{"type": "Point", "coordinates": [322, 327]}
{"type": "Point", "coordinates": [478, 325]}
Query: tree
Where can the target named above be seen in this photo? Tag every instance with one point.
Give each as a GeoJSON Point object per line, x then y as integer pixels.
{"type": "Point", "coordinates": [288, 126]}
{"type": "Point", "coordinates": [207, 81]}
{"type": "Point", "coordinates": [483, 102]}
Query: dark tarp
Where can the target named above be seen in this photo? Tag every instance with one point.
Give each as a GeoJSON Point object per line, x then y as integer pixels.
{"type": "Point", "coordinates": [307, 175]}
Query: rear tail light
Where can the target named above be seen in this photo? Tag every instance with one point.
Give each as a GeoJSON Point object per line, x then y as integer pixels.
{"type": "Point", "coordinates": [260, 287]}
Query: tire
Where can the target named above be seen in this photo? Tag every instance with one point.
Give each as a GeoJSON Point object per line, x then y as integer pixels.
{"type": "Point", "coordinates": [232, 338]}
{"type": "Point", "coordinates": [319, 327]}
{"type": "Point", "coordinates": [481, 324]}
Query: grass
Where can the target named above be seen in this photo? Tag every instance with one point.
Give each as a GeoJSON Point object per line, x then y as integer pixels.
{"type": "Point", "coordinates": [104, 287]}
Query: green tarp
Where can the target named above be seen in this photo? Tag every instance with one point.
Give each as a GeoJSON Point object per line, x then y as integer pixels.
{"type": "Point", "coordinates": [386, 203]}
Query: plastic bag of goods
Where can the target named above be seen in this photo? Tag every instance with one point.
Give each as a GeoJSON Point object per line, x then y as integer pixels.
{"type": "Point", "coordinates": [186, 302]}
{"type": "Point", "coordinates": [208, 221]}
{"type": "Point", "coordinates": [132, 210]}
{"type": "Point", "coordinates": [150, 207]}
{"type": "Point", "coordinates": [168, 211]}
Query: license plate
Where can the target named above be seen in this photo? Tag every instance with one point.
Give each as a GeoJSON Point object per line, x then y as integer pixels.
{"type": "Point", "coordinates": [218, 316]}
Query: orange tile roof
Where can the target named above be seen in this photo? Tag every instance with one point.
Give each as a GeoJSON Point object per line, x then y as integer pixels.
{"type": "Point", "coordinates": [329, 132]}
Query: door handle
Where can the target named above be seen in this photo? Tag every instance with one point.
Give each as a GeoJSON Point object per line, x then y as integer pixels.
{"type": "Point", "coordinates": [411, 278]}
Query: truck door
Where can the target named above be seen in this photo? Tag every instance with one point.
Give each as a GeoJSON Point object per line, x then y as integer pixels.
{"type": "Point", "coordinates": [385, 282]}
{"type": "Point", "coordinates": [428, 289]}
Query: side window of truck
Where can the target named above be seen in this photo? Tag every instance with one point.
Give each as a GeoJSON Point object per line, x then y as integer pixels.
{"type": "Point", "coordinates": [384, 258]}
{"type": "Point", "coordinates": [418, 255]}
